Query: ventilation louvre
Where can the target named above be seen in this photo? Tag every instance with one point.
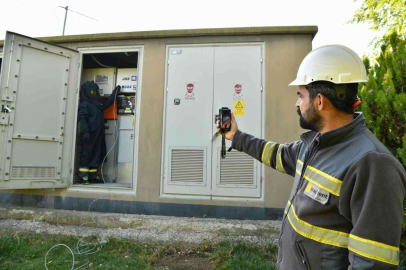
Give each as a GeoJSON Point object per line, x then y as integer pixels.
{"type": "Point", "coordinates": [18, 172]}
{"type": "Point", "coordinates": [187, 166]}
{"type": "Point", "coordinates": [237, 169]}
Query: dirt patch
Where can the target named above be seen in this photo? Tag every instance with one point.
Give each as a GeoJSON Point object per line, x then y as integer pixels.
{"type": "Point", "coordinates": [183, 262]}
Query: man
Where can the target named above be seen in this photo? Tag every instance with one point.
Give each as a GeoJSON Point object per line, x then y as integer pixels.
{"type": "Point", "coordinates": [346, 206]}
{"type": "Point", "coordinates": [93, 140]}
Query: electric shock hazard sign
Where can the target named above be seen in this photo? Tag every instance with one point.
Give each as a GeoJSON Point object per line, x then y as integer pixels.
{"type": "Point", "coordinates": [239, 108]}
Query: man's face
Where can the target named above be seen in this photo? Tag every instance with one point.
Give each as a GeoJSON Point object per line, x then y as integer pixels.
{"type": "Point", "coordinates": [309, 116]}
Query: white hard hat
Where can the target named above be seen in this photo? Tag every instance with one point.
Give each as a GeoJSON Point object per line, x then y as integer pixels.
{"type": "Point", "coordinates": [334, 63]}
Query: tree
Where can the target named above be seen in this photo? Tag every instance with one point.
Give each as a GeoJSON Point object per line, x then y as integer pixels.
{"type": "Point", "coordinates": [384, 96]}
{"type": "Point", "coordinates": [387, 15]}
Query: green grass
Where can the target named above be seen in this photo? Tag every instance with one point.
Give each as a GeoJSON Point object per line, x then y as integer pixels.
{"type": "Point", "coordinates": [27, 251]}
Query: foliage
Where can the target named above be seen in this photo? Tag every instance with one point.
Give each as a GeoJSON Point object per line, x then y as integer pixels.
{"type": "Point", "coordinates": [387, 15]}
{"type": "Point", "coordinates": [384, 96]}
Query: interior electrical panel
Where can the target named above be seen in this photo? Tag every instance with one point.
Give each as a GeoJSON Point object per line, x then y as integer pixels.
{"type": "Point", "coordinates": [125, 104]}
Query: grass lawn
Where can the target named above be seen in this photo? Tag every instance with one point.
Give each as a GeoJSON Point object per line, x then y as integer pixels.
{"type": "Point", "coordinates": [27, 251]}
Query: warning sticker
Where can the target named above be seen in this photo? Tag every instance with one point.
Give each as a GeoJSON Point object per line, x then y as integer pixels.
{"type": "Point", "coordinates": [239, 108]}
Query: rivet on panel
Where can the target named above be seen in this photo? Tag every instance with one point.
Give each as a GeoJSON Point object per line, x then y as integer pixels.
{"type": "Point", "coordinates": [36, 137]}
{"type": "Point", "coordinates": [61, 127]}
{"type": "Point", "coordinates": [60, 143]}
{"type": "Point", "coordinates": [61, 52]}
{"type": "Point", "coordinates": [12, 108]}
{"type": "Point", "coordinates": [19, 136]}
{"type": "Point", "coordinates": [14, 92]}
{"type": "Point", "coordinates": [18, 60]}
{"type": "Point", "coordinates": [6, 173]}
{"type": "Point", "coordinates": [64, 98]}
{"type": "Point", "coordinates": [67, 69]}
{"type": "Point", "coordinates": [16, 76]}
{"type": "Point", "coordinates": [63, 113]}
{"type": "Point", "coordinates": [7, 97]}
{"type": "Point", "coordinates": [60, 158]}
{"type": "Point", "coordinates": [29, 44]}
{"type": "Point", "coordinates": [8, 158]}
{"type": "Point", "coordinates": [11, 124]}
{"type": "Point", "coordinates": [46, 48]}
{"type": "Point", "coordinates": [19, 45]}
{"type": "Point", "coordinates": [53, 139]}
{"type": "Point", "coordinates": [59, 173]}
{"type": "Point", "coordinates": [9, 141]}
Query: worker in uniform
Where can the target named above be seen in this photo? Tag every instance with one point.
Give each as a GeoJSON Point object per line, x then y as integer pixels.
{"type": "Point", "coordinates": [346, 206]}
{"type": "Point", "coordinates": [93, 142]}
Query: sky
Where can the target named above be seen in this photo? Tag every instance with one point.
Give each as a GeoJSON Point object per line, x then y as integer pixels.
{"type": "Point", "coordinates": [43, 18]}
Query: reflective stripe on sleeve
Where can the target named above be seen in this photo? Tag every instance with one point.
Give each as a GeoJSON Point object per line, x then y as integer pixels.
{"type": "Point", "coordinates": [325, 236]}
{"type": "Point", "coordinates": [83, 170]}
{"type": "Point", "coordinates": [93, 170]}
{"type": "Point", "coordinates": [321, 179]}
{"type": "Point", "coordinates": [374, 250]}
{"type": "Point", "coordinates": [279, 165]}
{"type": "Point", "coordinates": [267, 153]}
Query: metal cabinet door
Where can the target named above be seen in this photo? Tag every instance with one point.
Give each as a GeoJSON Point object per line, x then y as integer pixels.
{"type": "Point", "coordinates": [38, 82]}
{"type": "Point", "coordinates": [189, 120]}
{"type": "Point", "coordinates": [237, 85]}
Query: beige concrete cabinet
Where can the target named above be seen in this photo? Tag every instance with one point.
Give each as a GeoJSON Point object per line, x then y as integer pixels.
{"type": "Point", "coordinates": [176, 169]}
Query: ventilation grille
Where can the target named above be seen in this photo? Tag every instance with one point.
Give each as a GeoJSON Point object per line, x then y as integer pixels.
{"type": "Point", "coordinates": [187, 166]}
{"type": "Point", "coordinates": [236, 169]}
{"type": "Point", "coordinates": [32, 172]}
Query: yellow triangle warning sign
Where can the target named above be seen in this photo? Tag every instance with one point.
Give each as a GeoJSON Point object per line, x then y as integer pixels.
{"type": "Point", "coordinates": [239, 108]}
{"type": "Point", "coordinates": [239, 105]}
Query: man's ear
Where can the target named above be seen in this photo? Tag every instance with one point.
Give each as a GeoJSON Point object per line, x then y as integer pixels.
{"type": "Point", "coordinates": [319, 102]}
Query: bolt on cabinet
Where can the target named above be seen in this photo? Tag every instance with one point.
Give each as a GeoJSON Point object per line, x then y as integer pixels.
{"type": "Point", "coordinates": [38, 88]}
{"type": "Point", "coordinates": [201, 80]}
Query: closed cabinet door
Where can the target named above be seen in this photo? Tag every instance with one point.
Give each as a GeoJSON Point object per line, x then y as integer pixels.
{"type": "Point", "coordinates": [237, 85]}
{"type": "Point", "coordinates": [37, 86]}
{"type": "Point", "coordinates": [189, 121]}
{"type": "Point", "coordinates": [201, 80]}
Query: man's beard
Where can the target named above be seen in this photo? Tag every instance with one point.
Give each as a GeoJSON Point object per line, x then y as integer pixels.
{"type": "Point", "coordinates": [313, 121]}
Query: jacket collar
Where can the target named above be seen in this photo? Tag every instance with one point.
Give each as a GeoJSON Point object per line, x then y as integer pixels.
{"type": "Point", "coordinates": [336, 135]}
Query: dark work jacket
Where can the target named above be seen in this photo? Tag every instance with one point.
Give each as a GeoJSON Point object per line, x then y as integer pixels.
{"type": "Point", "coordinates": [346, 206]}
{"type": "Point", "coordinates": [91, 120]}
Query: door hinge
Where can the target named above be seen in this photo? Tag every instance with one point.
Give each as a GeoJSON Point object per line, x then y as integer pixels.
{"type": "Point", "coordinates": [76, 90]}
{"type": "Point", "coordinates": [261, 179]}
{"type": "Point", "coordinates": [167, 89]}
{"type": "Point", "coordinates": [78, 65]}
{"type": "Point", "coordinates": [262, 60]}
{"type": "Point", "coordinates": [262, 89]}
{"type": "Point", "coordinates": [168, 62]}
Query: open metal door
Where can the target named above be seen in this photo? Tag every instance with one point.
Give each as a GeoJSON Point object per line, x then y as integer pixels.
{"type": "Point", "coordinates": [36, 81]}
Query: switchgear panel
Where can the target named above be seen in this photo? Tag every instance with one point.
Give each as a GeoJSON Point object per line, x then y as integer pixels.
{"type": "Point", "coordinates": [126, 104]}
{"type": "Point", "coordinates": [127, 78]}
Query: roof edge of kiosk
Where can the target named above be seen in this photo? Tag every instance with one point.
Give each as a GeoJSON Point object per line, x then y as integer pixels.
{"type": "Point", "coordinates": [241, 31]}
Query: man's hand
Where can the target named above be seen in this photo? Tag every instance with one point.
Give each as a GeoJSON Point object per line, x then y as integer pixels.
{"type": "Point", "coordinates": [118, 88]}
{"type": "Point", "coordinates": [234, 127]}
